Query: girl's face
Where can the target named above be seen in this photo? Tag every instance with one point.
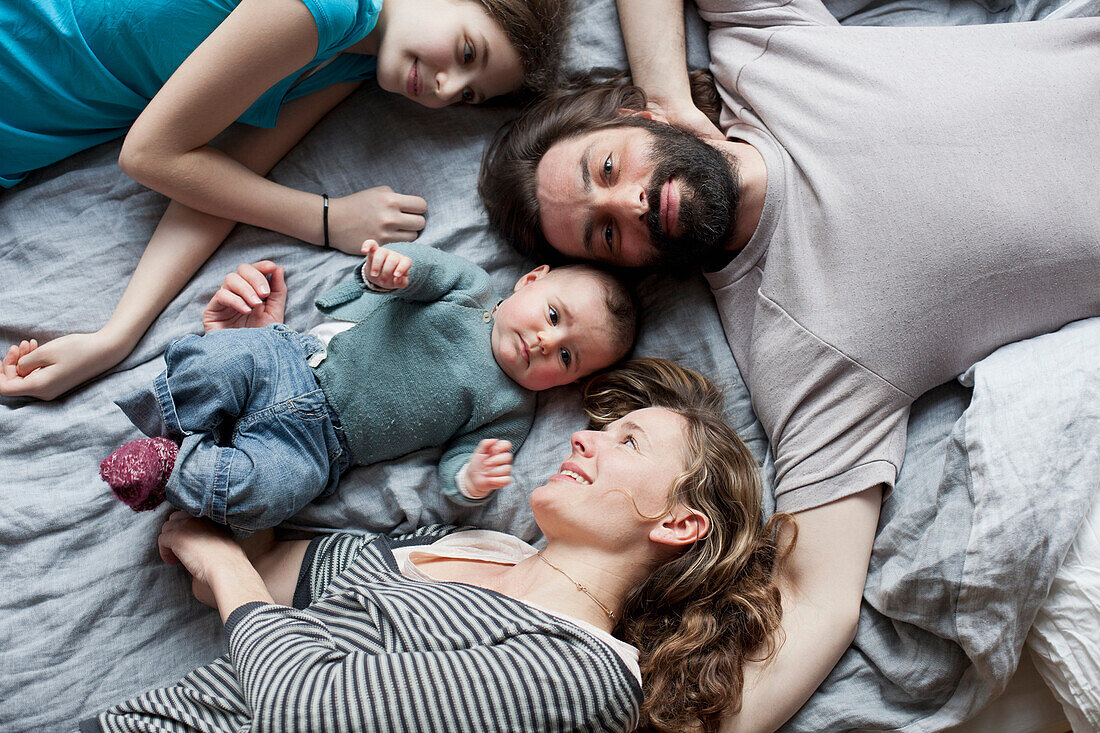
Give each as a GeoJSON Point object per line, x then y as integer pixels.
{"type": "Point", "coordinates": [439, 52]}
{"type": "Point", "coordinates": [611, 478]}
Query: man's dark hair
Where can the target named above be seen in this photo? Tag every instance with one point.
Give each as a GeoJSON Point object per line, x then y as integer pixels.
{"type": "Point", "coordinates": [507, 182]}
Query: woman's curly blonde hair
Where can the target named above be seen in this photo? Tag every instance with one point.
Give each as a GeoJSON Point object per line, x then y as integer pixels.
{"type": "Point", "coordinates": [700, 616]}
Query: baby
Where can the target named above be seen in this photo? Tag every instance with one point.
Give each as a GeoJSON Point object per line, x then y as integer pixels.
{"type": "Point", "coordinates": [252, 424]}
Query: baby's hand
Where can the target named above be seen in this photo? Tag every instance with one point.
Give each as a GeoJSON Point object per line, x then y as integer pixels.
{"type": "Point", "coordinates": [489, 468]}
{"type": "Point", "coordinates": [385, 268]}
{"type": "Point", "coordinates": [247, 299]}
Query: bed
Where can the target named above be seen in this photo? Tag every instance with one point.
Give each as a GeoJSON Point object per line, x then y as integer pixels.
{"type": "Point", "coordinates": [90, 614]}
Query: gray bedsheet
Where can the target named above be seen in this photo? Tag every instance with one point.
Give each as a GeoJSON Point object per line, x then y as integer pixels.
{"type": "Point", "coordinates": [89, 613]}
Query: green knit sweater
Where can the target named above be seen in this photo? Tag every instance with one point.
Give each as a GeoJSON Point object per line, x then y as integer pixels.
{"type": "Point", "coordinates": [417, 369]}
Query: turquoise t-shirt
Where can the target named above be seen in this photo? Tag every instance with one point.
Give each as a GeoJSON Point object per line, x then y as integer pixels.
{"type": "Point", "coordinates": [76, 73]}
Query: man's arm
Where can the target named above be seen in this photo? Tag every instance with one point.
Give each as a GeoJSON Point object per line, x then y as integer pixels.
{"type": "Point", "coordinates": [653, 31]}
{"type": "Point", "coordinates": [822, 585]}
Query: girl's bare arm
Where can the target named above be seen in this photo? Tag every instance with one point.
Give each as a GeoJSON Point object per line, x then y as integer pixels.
{"type": "Point", "coordinates": [167, 149]}
{"type": "Point", "coordinates": [257, 45]}
{"type": "Point", "coordinates": [182, 241]}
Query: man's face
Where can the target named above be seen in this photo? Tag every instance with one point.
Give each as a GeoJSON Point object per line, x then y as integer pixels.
{"type": "Point", "coordinates": [633, 195]}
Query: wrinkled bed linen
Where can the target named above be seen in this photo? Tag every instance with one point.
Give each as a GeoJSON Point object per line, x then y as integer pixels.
{"type": "Point", "coordinates": [963, 561]}
{"type": "Point", "coordinates": [89, 614]}
{"type": "Point", "coordinates": [1063, 641]}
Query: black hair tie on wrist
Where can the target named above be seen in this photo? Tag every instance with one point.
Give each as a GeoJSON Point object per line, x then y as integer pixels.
{"type": "Point", "coordinates": [324, 198]}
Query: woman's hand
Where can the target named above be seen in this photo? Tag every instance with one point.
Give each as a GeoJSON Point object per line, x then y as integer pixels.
{"type": "Point", "coordinates": [247, 299]}
{"type": "Point", "coordinates": [50, 370]}
{"type": "Point", "coordinates": [221, 573]}
{"type": "Point", "coordinates": [199, 545]}
{"type": "Point", "coordinates": [376, 213]}
{"type": "Point", "coordinates": [490, 468]}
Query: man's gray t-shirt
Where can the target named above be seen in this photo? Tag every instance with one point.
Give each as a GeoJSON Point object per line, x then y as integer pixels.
{"type": "Point", "coordinates": [932, 194]}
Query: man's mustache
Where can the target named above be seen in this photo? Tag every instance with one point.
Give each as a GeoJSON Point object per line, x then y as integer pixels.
{"type": "Point", "coordinates": [653, 200]}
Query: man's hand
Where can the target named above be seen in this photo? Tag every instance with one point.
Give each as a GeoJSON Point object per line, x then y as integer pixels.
{"type": "Point", "coordinates": [687, 116]}
{"type": "Point", "coordinates": [375, 213]}
{"type": "Point", "coordinates": [489, 468]}
{"type": "Point", "coordinates": [385, 268]}
{"type": "Point", "coordinates": [247, 299]}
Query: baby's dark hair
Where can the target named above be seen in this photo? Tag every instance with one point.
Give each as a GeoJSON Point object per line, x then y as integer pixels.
{"type": "Point", "coordinates": [538, 29]}
{"type": "Point", "coordinates": [618, 298]}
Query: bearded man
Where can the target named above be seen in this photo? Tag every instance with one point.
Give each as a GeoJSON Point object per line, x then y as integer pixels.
{"type": "Point", "coordinates": [884, 208]}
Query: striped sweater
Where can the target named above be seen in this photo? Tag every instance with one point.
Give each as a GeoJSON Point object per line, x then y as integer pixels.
{"type": "Point", "coordinates": [376, 651]}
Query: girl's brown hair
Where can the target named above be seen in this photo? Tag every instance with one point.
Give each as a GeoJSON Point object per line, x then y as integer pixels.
{"type": "Point", "coordinates": [537, 28]}
{"type": "Point", "coordinates": [700, 616]}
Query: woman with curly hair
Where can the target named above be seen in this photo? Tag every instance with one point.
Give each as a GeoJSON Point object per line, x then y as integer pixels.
{"type": "Point", "coordinates": [653, 590]}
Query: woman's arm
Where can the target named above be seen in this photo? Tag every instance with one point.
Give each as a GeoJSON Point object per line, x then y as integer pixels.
{"type": "Point", "coordinates": [277, 562]}
{"type": "Point", "coordinates": [182, 241]}
{"type": "Point", "coordinates": [214, 560]}
{"type": "Point", "coordinates": [658, 61]}
{"type": "Point", "coordinates": [297, 676]}
{"type": "Point", "coordinates": [228, 573]}
{"type": "Point", "coordinates": [822, 585]}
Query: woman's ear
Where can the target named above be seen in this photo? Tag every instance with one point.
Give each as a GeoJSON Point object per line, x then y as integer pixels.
{"type": "Point", "coordinates": [540, 271]}
{"type": "Point", "coordinates": [683, 526]}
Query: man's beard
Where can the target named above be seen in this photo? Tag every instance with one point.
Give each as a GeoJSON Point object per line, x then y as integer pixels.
{"type": "Point", "coordinates": [709, 194]}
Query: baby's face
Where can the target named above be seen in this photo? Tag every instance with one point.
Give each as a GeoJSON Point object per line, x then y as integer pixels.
{"type": "Point", "coordinates": [553, 330]}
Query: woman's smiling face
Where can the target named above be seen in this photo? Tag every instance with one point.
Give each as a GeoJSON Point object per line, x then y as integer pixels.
{"type": "Point", "coordinates": [613, 477]}
{"type": "Point", "coordinates": [439, 52]}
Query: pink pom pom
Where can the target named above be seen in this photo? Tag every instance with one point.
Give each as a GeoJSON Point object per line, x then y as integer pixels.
{"type": "Point", "coordinates": [138, 471]}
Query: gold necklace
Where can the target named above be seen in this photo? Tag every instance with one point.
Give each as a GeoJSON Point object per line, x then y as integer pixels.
{"type": "Point", "coordinates": [581, 588]}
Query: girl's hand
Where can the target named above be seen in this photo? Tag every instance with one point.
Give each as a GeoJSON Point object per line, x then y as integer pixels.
{"type": "Point", "coordinates": [47, 371]}
{"type": "Point", "coordinates": [247, 299]}
{"type": "Point", "coordinates": [199, 545]}
{"type": "Point", "coordinates": [385, 268]}
{"type": "Point", "coordinates": [489, 468]}
{"type": "Point", "coordinates": [376, 213]}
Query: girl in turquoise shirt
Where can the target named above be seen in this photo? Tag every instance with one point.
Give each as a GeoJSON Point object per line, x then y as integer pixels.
{"type": "Point", "coordinates": [171, 75]}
